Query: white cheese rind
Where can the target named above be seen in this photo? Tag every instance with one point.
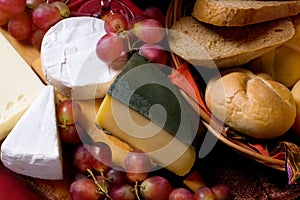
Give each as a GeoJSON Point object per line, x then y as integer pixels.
{"type": "Point", "coordinates": [19, 86]}
{"type": "Point", "coordinates": [33, 147]}
{"type": "Point", "coordinates": [68, 55]}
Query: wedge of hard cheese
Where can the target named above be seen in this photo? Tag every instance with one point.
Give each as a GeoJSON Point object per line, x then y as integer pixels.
{"type": "Point", "coordinates": [19, 86]}
{"type": "Point", "coordinates": [144, 109]}
{"type": "Point", "coordinates": [33, 148]}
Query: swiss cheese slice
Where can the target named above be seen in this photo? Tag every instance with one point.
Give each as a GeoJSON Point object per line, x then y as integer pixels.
{"type": "Point", "coordinates": [69, 60]}
{"type": "Point", "coordinates": [33, 147]}
{"type": "Point", "coordinates": [19, 86]}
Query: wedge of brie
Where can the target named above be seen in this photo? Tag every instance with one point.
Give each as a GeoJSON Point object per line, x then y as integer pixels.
{"type": "Point", "coordinates": [69, 60]}
{"type": "Point", "coordinates": [33, 147]}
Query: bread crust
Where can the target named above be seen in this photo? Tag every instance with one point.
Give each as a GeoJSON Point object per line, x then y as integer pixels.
{"type": "Point", "coordinates": [198, 42]}
{"type": "Point", "coordinates": [254, 105]}
{"type": "Point", "coordinates": [243, 12]}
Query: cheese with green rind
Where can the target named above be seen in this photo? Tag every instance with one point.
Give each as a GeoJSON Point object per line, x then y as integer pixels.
{"type": "Point", "coordinates": [162, 147]}
{"type": "Point", "coordinates": [142, 86]}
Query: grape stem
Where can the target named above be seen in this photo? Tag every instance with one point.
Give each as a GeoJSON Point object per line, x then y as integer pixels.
{"type": "Point", "coordinates": [136, 190]}
{"type": "Point", "coordinates": [101, 171]}
{"type": "Point", "coordinates": [102, 188]}
{"type": "Point", "coordinates": [64, 126]}
{"type": "Point", "coordinates": [133, 45]}
{"type": "Point", "coordinates": [130, 46]}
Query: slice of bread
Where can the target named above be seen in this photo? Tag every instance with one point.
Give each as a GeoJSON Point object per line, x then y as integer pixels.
{"type": "Point", "coordinates": [243, 12]}
{"type": "Point", "coordinates": [206, 44]}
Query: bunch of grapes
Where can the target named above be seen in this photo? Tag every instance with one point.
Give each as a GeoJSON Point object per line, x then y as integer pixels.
{"type": "Point", "coordinates": [144, 33]}
{"type": "Point", "coordinates": [101, 179]}
{"type": "Point", "coordinates": [30, 19]}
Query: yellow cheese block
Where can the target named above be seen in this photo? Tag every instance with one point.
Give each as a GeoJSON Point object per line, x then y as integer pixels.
{"type": "Point", "coordinates": [129, 125]}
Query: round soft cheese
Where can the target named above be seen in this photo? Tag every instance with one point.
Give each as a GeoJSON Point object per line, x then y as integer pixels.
{"type": "Point", "coordinates": [69, 60]}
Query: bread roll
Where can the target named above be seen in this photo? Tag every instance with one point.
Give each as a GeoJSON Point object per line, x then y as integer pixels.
{"type": "Point", "coordinates": [296, 95]}
{"type": "Point", "coordinates": [254, 105]}
{"type": "Point", "coordinates": [282, 63]}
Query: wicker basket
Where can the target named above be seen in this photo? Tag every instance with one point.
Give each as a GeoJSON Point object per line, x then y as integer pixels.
{"type": "Point", "coordinates": [177, 9]}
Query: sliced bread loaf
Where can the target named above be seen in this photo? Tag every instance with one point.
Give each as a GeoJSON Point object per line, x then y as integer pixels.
{"type": "Point", "coordinates": [204, 44]}
{"type": "Point", "coordinates": [243, 12]}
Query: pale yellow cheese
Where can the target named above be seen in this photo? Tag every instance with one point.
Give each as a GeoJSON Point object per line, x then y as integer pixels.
{"type": "Point", "coordinates": [19, 86]}
{"type": "Point", "coordinates": [130, 126]}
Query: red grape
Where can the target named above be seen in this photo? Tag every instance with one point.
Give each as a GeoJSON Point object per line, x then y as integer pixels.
{"type": "Point", "coordinates": [33, 4]}
{"type": "Point", "coordinates": [136, 19]}
{"type": "Point", "coordinates": [155, 188]}
{"type": "Point", "coordinates": [154, 53]}
{"type": "Point", "coordinates": [70, 134]}
{"type": "Point", "coordinates": [120, 62]}
{"type": "Point", "coordinates": [4, 18]}
{"type": "Point", "coordinates": [115, 22]}
{"type": "Point", "coordinates": [12, 7]}
{"type": "Point", "coordinates": [83, 159]}
{"type": "Point", "coordinates": [123, 192]}
{"type": "Point", "coordinates": [137, 165]}
{"type": "Point", "coordinates": [149, 31]}
{"type": "Point", "coordinates": [102, 156]}
{"type": "Point", "coordinates": [37, 38]}
{"type": "Point", "coordinates": [45, 16]}
{"type": "Point", "coordinates": [181, 194]}
{"type": "Point", "coordinates": [104, 49]}
{"type": "Point", "coordinates": [204, 193]}
{"type": "Point", "coordinates": [116, 175]}
{"type": "Point", "coordinates": [155, 13]}
{"type": "Point", "coordinates": [222, 192]}
{"type": "Point", "coordinates": [84, 188]}
{"type": "Point", "coordinates": [20, 26]}
{"type": "Point", "coordinates": [66, 111]}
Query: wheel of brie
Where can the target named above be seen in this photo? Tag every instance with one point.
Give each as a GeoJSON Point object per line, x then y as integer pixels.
{"type": "Point", "coordinates": [69, 59]}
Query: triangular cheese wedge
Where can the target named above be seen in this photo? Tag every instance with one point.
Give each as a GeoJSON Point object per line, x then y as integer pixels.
{"type": "Point", "coordinates": [33, 148]}
{"type": "Point", "coordinates": [143, 108]}
{"type": "Point", "coordinates": [19, 86]}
